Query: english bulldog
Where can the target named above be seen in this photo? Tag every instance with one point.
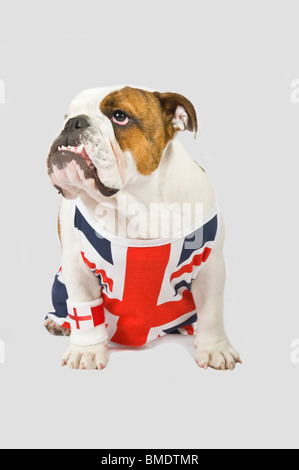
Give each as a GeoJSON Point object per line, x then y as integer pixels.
{"type": "Point", "coordinates": [140, 230]}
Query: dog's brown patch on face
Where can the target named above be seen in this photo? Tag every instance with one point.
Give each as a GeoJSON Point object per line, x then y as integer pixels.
{"type": "Point", "coordinates": [146, 135]}
{"type": "Point", "coordinates": [150, 126]}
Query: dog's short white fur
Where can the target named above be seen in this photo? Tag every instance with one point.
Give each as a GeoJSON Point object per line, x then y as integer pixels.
{"type": "Point", "coordinates": [89, 348]}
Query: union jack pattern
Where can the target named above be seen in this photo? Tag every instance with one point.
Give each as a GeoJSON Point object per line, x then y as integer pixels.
{"type": "Point", "coordinates": [146, 285]}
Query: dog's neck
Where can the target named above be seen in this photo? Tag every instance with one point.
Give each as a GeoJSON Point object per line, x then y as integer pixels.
{"type": "Point", "coordinates": [146, 203]}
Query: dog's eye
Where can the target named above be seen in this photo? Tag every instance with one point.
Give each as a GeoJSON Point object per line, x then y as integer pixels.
{"type": "Point", "coordinates": [120, 118]}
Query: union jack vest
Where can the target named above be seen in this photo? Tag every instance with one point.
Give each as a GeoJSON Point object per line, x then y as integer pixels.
{"type": "Point", "coordinates": [145, 284]}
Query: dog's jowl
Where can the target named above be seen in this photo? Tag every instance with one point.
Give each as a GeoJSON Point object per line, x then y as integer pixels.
{"type": "Point", "coordinates": [141, 233]}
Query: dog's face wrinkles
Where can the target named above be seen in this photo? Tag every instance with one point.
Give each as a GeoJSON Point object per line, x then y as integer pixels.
{"type": "Point", "coordinates": [112, 134]}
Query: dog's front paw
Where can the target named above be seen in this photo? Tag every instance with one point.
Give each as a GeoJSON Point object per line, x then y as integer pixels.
{"type": "Point", "coordinates": [86, 357]}
{"type": "Point", "coordinates": [219, 355]}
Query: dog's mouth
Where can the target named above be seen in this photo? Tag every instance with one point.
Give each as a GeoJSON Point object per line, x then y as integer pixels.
{"type": "Point", "coordinates": [61, 156]}
{"type": "Point", "coordinates": [80, 150]}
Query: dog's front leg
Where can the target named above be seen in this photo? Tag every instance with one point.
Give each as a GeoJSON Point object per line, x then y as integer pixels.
{"type": "Point", "coordinates": [89, 345]}
{"type": "Point", "coordinates": [212, 345]}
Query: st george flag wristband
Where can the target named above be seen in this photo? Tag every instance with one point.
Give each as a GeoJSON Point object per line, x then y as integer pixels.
{"type": "Point", "coordinates": [85, 315]}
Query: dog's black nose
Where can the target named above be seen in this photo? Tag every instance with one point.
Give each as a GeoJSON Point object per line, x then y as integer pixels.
{"type": "Point", "coordinates": [77, 122]}
{"type": "Point", "coordinates": [72, 132]}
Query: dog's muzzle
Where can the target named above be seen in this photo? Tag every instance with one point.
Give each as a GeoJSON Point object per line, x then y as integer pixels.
{"type": "Point", "coordinates": [68, 147]}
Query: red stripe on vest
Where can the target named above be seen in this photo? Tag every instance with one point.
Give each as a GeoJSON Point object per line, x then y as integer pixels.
{"type": "Point", "coordinates": [196, 261]}
{"type": "Point", "coordinates": [105, 278]}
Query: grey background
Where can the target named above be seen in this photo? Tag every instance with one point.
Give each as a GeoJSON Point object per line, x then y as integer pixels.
{"type": "Point", "coordinates": [235, 61]}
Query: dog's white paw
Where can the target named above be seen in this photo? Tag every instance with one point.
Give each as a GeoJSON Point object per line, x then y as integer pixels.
{"type": "Point", "coordinates": [86, 357]}
{"type": "Point", "coordinates": [220, 355]}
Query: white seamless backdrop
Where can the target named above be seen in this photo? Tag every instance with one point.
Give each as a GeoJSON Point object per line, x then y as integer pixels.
{"type": "Point", "coordinates": [237, 62]}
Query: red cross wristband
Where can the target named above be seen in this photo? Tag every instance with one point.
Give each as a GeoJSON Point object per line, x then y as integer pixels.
{"type": "Point", "coordinates": [85, 315]}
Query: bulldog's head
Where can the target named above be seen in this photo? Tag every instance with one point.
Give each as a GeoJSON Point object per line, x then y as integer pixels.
{"type": "Point", "coordinates": [111, 134]}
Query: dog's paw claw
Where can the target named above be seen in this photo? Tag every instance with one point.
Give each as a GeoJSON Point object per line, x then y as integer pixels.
{"type": "Point", "coordinates": [86, 357]}
{"type": "Point", "coordinates": [220, 356]}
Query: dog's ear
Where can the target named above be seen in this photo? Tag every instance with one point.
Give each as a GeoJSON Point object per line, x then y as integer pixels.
{"type": "Point", "coordinates": [179, 113]}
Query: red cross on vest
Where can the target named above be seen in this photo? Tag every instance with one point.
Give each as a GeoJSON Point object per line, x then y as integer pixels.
{"type": "Point", "coordinates": [138, 311]}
